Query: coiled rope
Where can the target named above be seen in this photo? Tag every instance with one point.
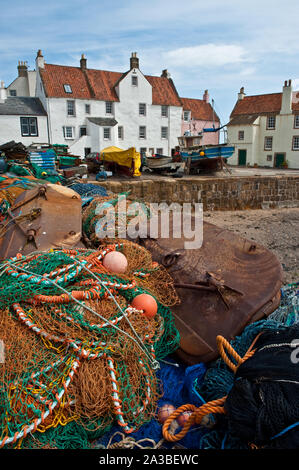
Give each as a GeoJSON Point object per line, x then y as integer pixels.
{"type": "Point", "coordinates": [214, 406]}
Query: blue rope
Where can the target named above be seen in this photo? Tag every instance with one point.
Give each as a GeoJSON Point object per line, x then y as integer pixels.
{"type": "Point", "coordinates": [281, 433]}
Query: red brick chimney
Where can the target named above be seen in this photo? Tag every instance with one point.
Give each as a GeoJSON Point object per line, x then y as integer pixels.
{"type": "Point", "coordinates": [206, 96]}
{"type": "Point", "coordinates": [22, 69]}
{"type": "Point", "coordinates": [83, 62]}
{"type": "Point", "coordinates": [134, 61]}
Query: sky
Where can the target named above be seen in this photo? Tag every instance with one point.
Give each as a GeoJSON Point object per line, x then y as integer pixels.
{"type": "Point", "coordinates": [216, 45]}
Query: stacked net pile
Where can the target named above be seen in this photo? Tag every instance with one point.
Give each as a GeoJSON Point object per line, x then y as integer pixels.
{"type": "Point", "coordinates": [112, 217]}
{"type": "Point", "coordinates": [77, 357]}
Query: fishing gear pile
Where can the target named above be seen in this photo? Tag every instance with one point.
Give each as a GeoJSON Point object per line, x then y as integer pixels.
{"type": "Point", "coordinates": [109, 218]}
{"type": "Point", "coordinates": [78, 355]}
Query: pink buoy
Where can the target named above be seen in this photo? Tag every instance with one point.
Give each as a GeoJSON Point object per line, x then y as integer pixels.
{"type": "Point", "coordinates": [115, 262]}
{"type": "Point", "coordinates": [183, 417]}
{"type": "Point", "coordinates": [164, 412]}
{"type": "Point", "coordinates": [146, 303]}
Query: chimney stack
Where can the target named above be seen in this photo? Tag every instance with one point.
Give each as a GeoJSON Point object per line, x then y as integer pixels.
{"type": "Point", "coordinates": [206, 96]}
{"type": "Point", "coordinates": [241, 94]}
{"type": "Point", "coordinates": [40, 61]}
{"type": "Point", "coordinates": [134, 61]}
{"type": "Point", "coordinates": [83, 62]}
{"type": "Point", "coordinates": [22, 69]}
{"type": "Point", "coordinates": [3, 92]}
{"type": "Point", "coordinates": [286, 100]}
{"type": "Point", "coordinates": [165, 73]}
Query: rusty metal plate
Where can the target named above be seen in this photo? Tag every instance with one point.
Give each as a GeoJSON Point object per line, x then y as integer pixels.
{"type": "Point", "coordinates": [48, 216]}
{"type": "Point", "coordinates": [224, 285]}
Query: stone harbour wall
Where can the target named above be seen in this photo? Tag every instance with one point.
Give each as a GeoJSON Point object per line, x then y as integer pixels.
{"type": "Point", "coordinates": [231, 193]}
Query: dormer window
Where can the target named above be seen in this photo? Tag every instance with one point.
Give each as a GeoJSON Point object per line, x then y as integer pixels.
{"type": "Point", "coordinates": [108, 107]}
{"type": "Point", "coordinates": [271, 122]}
{"type": "Point", "coordinates": [187, 115]}
{"type": "Point", "coordinates": [67, 88]}
{"type": "Point", "coordinates": [134, 80]}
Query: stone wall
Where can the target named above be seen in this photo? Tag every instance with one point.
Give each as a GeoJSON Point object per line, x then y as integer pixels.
{"type": "Point", "coordinates": [231, 193]}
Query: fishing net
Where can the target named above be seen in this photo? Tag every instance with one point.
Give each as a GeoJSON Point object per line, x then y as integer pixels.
{"type": "Point", "coordinates": [76, 353]}
{"type": "Point", "coordinates": [107, 218]}
{"type": "Point", "coordinates": [262, 397]}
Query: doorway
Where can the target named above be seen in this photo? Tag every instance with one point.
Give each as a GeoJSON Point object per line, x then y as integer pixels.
{"type": "Point", "coordinates": [242, 156]}
{"type": "Point", "coordinates": [279, 159]}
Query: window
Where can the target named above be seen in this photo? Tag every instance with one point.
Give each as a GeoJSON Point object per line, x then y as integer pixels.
{"type": "Point", "coordinates": [29, 126]}
{"type": "Point", "coordinates": [142, 132]}
{"type": "Point", "coordinates": [134, 80]}
{"type": "Point", "coordinates": [295, 142]}
{"type": "Point", "coordinates": [87, 150]}
{"type": "Point", "coordinates": [269, 158]}
{"type": "Point", "coordinates": [83, 131]}
{"type": "Point", "coordinates": [164, 132]}
{"type": "Point", "coordinates": [13, 92]}
{"type": "Point", "coordinates": [120, 132]}
{"type": "Point", "coordinates": [67, 88]}
{"type": "Point", "coordinates": [107, 133]}
{"type": "Point", "coordinates": [296, 121]}
{"type": "Point", "coordinates": [142, 109]}
{"type": "Point", "coordinates": [160, 151]}
{"type": "Point", "coordinates": [142, 151]}
{"type": "Point", "coordinates": [241, 135]}
{"type": "Point", "coordinates": [186, 115]}
{"type": "Point", "coordinates": [164, 111]}
{"type": "Point", "coordinates": [87, 108]}
{"type": "Point", "coordinates": [68, 132]}
{"type": "Point", "coordinates": [271, 122]}
{"type": "Point", "coordinates": [70, 108]}
{"type": "Point", "coordinates": [268, 143]}
{"type": "Point", "coordinates": [108, 107]}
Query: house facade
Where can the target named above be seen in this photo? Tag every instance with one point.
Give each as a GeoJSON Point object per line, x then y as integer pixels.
{"type": "Point", "coordinates": [264, 129]}
{"type": "Point", "coordinates": [22, 119]}
{"type": "Point", "coordinates": [199, 115]}
{"type": "Point", "coordinates": [24, 84]}
{"type": "Point", "coordinates": [90, 109]}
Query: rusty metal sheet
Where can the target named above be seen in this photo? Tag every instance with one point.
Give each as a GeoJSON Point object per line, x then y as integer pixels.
{"type": "Point", "coordinates": [48, 216]}
{"type": "Point", "coordinates": [224, 285]}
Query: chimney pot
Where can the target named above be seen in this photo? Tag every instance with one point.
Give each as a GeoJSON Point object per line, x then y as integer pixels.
{"type": "Point", "coordinates": [39, 61]}
{"type": "Point", "coordinates": [22, 69]}
{"type": "Point", "coordinates": [134, 61]}
{"type": "Point", "coordinates": [165, 73]}
{"type": "Point", "coordinates": [83, 62]}
{"type": "Point", "coordinates": [206, 96]}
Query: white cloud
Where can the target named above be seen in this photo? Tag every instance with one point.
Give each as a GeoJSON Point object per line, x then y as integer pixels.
{"type": "Point", "coordinates": [206, 55]}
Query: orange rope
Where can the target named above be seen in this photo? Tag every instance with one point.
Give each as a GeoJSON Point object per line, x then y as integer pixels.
{"type": "Point", "coordinates": [214, 406]}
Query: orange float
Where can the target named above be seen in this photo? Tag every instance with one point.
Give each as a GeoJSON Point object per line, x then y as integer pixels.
{"type": "Point", "coordinates": [146, 303]}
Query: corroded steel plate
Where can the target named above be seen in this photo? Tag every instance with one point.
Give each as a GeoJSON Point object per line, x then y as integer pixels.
{"type": "Point", "coordinates": [224, 285]}
{"type": "Point", "coordinates": [48, 216]}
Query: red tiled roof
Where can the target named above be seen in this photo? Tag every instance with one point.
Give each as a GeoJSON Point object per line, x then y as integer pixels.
{"type": "Point", "coordinates": [55, 76]}
{"type": "Point", "coordinates": [258, 104]}
{"type": "Point", "coordinates": [164, 91]}
{"type": "Point", "coordinates": [200, 109]}
{"type": "Point", "coordinates": [99, 84]}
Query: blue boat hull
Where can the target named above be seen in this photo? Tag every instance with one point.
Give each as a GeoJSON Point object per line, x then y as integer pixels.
{"type": "Point", "coordinates": [209, 153]}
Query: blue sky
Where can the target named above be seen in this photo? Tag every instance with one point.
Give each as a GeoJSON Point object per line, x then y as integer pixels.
{"type": "Point", "coordinates": [216, 45]}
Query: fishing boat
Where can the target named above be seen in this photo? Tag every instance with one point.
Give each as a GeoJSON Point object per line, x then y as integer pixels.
{"type": "Point", "coordinates": [197, 156]}
{"type": "Point", "coordinates": [161, 163]}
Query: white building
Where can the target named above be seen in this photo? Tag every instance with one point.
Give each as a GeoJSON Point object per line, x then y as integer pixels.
{"type": "Point", "coordinates": [92, 109]}
{"type": "Point", "coordinates": [265, 129]}
{"type": "Point", "coordinates": [22, 119]}
{"type": "Point", "coordinates": [25, 83]}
